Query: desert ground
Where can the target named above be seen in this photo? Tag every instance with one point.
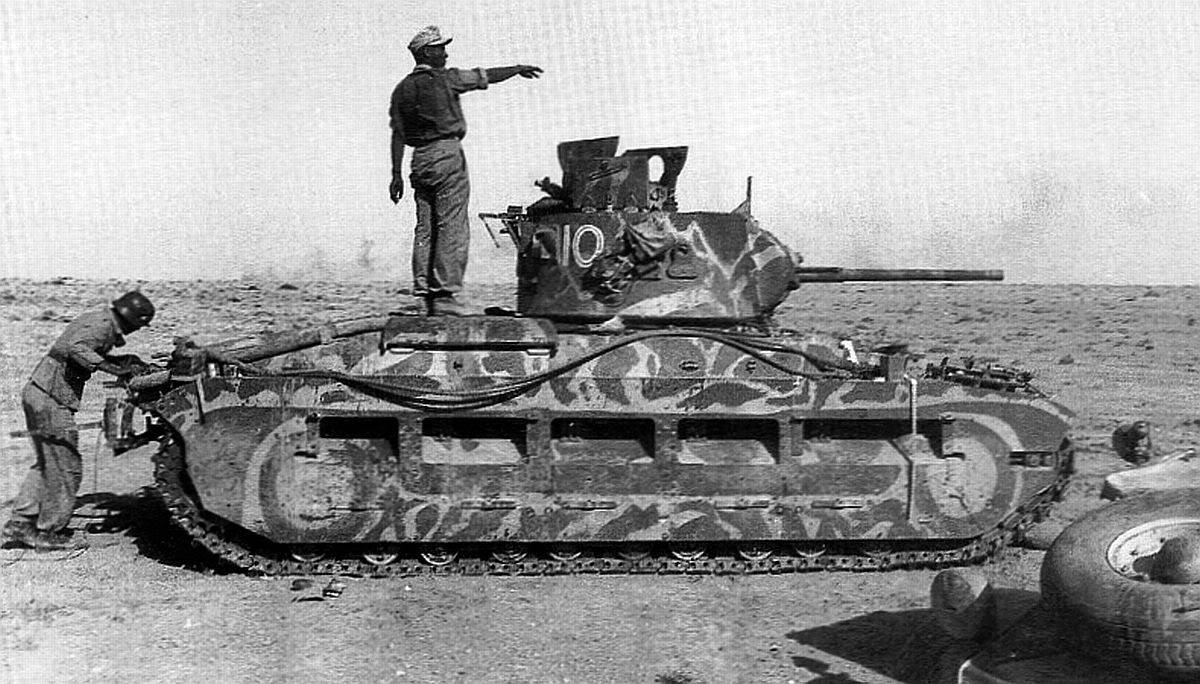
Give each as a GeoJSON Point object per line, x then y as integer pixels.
{"type": "Point", "coordinates": [138, 605]}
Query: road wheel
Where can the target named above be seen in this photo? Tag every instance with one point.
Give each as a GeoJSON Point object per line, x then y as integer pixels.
{"type": "Point", "coordinates": [689, 552]}
{"type": "Point", "coordinates": [514, 553]}
{"type": "Point", "coordinates": [380, 559]}
{"type": "Point", "coordinates": [755, 552]}
{"type": "Point", "coordinates": [306, 554]}
{"type": "Point", "coordinates": [1103, 576]}
{"type": "Point", "coordinates": [438, 556]}
{"type": "Point", "coordinates": [810, 551]}
{"type": "Point", "coordinates": [634, 553]}
{"type": "Point", "coordinates": [564, 553]}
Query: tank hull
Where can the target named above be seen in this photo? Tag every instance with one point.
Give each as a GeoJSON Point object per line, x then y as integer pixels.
{"type": "Point", "coordinates": [664, 437]}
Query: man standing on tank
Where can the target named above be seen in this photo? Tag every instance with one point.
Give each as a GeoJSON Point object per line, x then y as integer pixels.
{"type": "Point", "coordinates": [46, 500]}
{"type": "Point", "coordinates": [426, 115]}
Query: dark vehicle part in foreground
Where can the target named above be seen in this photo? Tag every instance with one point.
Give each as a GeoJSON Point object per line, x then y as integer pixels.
{"type": "Point", "coordinates": [638, 412]}
{"type": "Point", "coordinates": [1123, 580]}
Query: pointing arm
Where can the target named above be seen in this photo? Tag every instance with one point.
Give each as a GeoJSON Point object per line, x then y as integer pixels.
{"type": "Point", "coordinates": [497, 74]}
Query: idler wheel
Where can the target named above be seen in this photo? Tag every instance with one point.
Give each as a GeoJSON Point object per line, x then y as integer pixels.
{"type": "Point", "coordinates": [509, 554]}
{"type": "Point", "coordinates": [755, 552]}
{"type": "Point", "coordinates": [380, 559]}
{"type": "Point", "coordinates": [438, 556]}
{"type": "Point", "coordinates": [564, 553]}
{"type": "Point", "coordinates": [306, 554]}
{"type": "Point", "coordinates": [688, 552]}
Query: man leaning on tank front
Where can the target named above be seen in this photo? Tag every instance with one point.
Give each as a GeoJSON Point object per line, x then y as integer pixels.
{"type": "Point", "coordinates": [46, 500]}
{"type": "Point", "coordinates": [426, 115]}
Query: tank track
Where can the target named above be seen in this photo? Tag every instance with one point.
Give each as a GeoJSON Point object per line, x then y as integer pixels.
{"type": "Point", "coordinates": [250, 554]}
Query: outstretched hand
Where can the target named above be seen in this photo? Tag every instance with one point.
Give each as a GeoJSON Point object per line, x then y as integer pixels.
{"type": "Point", "coordinates": [528, 71]}
{"type": "Point", "coordinates": [115, 369]}
{"type": "Point", "coordinates": [122, 365]}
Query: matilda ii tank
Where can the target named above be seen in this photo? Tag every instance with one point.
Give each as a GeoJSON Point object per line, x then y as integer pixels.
{"type": "Point", "coordinates": [637, 411]}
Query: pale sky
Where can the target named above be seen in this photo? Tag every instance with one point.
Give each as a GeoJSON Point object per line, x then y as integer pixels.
{"type": "Point", "coordinates": [168, 139]}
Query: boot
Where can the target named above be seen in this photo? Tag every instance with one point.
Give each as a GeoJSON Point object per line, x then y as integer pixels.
{"type": "Point", "coordinates": [447, 306]}
{"type": "Point", "coordinates": [46, 540]}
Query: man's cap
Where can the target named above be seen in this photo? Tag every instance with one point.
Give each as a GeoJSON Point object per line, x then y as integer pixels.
{"type": "Point", "coordinates": [430, 35]}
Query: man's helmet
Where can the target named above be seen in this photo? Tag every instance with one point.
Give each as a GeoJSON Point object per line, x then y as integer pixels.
{"type": "Point", "coordinates": [134, 309]}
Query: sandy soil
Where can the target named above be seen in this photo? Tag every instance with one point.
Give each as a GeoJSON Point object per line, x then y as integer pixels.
{"type": "Point", "coordinates": [138, 606]}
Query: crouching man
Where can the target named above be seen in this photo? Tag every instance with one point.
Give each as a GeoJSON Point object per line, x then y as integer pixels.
{"type": "Point", "coordinates": [46, 500]}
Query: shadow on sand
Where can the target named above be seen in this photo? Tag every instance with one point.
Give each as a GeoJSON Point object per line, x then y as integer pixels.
{"type": "Point", "coordinates": [142, 517]}
{"type": "Point", "coordinates": [906, 645]}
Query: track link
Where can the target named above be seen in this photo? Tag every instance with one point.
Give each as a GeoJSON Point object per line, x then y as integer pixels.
{"type": "Point", "coordinates": [248, 554]}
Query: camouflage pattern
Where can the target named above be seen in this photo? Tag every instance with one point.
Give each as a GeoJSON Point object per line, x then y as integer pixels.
{"type": "Point", "coordinates": [713, 266]}
{"type": "Point", "coordinates": [537, 427]}
{"type": "Point", "coordinates": [609, 242]}
{"type": "Point", "coordinates": [666, 438]}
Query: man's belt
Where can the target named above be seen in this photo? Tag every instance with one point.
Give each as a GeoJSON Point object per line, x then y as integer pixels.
{"type": "Point", "coordinates": [58, 355]}
{"type": "Point", "coordinates": [426, 143]}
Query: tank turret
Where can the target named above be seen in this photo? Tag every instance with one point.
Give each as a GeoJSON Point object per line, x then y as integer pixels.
{"type": "Point", "coordinates": [609, 240]}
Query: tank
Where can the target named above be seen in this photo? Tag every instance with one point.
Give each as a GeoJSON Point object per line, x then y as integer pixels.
{"type": "Point", "coordinates": [638, 411]}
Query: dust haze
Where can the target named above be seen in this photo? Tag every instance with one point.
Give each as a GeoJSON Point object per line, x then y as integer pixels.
{"type": "Point", "coordinates": [162, 140]}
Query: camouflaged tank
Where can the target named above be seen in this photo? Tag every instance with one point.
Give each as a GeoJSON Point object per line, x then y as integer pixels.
{"type": "Point", "coordinates": [637, 412]}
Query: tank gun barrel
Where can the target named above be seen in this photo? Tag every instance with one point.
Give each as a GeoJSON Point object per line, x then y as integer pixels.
{"type": "Point", "coordinates": [837, 274]}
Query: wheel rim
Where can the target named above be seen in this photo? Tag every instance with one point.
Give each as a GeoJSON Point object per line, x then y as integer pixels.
{"type": "Point", "coordinates": [564, 553]}
{"type": "Point", "coordinates": [438, 556]}
{"type": "Point", "coordinates": [755, 552]}
{"type": "Point", "coordinates": [1132, 553]}
{"type": "Point", "coordinates": [688, 552]}
{"type": "Point", "coordinates": [509, 554]}
{"type": "Point", "coordinates": [306, 555]}
{"type": "Point", "coordinates": [379, 558]}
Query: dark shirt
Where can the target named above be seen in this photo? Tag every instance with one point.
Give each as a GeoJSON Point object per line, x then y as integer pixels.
{"type": "Point", "coordinates": [425, 104]}
{"type": "Point", "coordinates": [63, 372]}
